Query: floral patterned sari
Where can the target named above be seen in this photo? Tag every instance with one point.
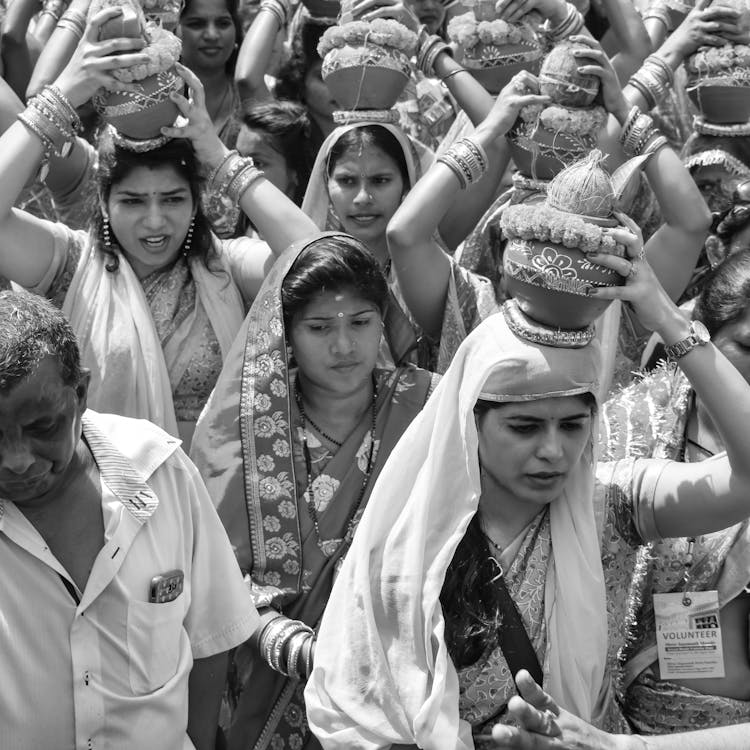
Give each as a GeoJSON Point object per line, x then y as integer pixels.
{"type": "Point", "coordinates": [248, 446]}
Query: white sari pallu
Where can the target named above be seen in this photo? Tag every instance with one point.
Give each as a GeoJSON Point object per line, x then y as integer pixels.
{"type": "Point", "coordinates": [131, 375]}
{"type": "Point", "coordinates": [382, 672]}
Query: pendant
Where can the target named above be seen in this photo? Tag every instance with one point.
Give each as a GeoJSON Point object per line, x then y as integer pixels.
{"type": "Point", "coordinates": [329, 546]}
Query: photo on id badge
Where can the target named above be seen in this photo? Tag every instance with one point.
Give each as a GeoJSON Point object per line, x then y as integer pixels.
{"type": "Point", "coordinates": [167, 586]}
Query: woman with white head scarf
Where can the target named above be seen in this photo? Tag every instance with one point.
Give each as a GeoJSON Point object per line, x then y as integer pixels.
{"type": "Point", "coordinates": [399, 660]}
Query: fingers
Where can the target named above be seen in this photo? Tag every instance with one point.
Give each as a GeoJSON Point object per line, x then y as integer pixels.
{"type": "Point", "coordinates": [91, 34]}
{"type": "Point", "coordinates": [622, 266]}
{"type": "Point", "coordinates": [198, 93]}
{"type": "Point", "coordinates": [532, 719]}
{"type": "Point", "coordinates": [627, 222]}
{"type": "Point", "coordinates": [586, 40]}
{"type": "Point", "coordinates": [701, 4]}
{"type": "Point", "coordinates": [532, 692]}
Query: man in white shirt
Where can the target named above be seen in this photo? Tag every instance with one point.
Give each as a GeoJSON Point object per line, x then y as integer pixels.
{"type": "Point", "coordinates": [121, 594]}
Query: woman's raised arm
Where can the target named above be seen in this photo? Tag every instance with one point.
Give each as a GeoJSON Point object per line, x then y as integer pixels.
{"type": "Point", "coordinates": [421, 266]}
{"type": "Point", "coordinates": [277, 218]}
{"type": "Point", "coordinates": [695, 498]}
{"type": "Point", "coordinates": [27, 243]}
{"type": "Point", "coordinates": [674, 248]}
{"type": "Point", "coordinates": [256, 51]}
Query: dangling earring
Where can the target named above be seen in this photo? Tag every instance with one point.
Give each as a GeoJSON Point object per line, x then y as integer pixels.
{"type": "Point", "coordinates": [105, 233]}
{"type": "Point", "coordinates": [188, 238]}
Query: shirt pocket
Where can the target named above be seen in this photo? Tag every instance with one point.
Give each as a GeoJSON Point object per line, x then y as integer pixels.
{"type": "Point", "coordinates": [154, 642]}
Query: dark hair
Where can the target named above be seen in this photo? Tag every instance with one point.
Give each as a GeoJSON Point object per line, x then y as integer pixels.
{"type": "Point", "coordinates": [726, 294]}
{"type": "Point", "coordinates": [32, 328]}
{"type": "Point", "coordinates": [290, 82]}
{"type": "Point", "coordinates": [359, 138]}
{"type": "Point", "coordinates": [116, 163]}
{"type": "Point", "coordinates": [471, 606]}
{"type": "Point", "coordinates": [233, 8]}
{"type": "Point", "coordinates": [332, 264]}
{"type": "Point", "coordinates": [288, 130]}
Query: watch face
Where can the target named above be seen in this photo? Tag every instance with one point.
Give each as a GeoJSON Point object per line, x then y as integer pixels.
{"type": "Point", "coordinates": [701, 332]}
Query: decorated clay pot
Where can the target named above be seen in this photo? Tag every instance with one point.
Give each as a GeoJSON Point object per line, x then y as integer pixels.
{"type": "Point", "coordinates": [142, 114]}
{"type": "Point", "coordinates": [721, 104]}
{"type": "Point", "coordinates": [494, 65]}
{"type": "Point", "coordinates": [550, 282]}
{"type": "Point", "coordinates": [540, 153]}
{"type": "Point", "coordinates": [365, 77]}
{"type": "Point", "coordinates": [322, 8]}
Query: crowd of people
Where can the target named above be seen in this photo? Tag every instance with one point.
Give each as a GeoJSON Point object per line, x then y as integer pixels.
{"type": "Point", "coordinates": [311, 434]}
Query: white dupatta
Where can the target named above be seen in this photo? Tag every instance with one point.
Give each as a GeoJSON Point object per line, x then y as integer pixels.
{"type": "Point", "coordinates": [130, 373]}
{"type": "Point", "coordinates": [382, 671]}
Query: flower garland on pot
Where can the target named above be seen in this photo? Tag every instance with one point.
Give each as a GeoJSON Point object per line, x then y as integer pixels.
{"type": "Point", "coordinates": [138, 116]}
{"type": "Point", "coordinates": [366, 64]}
{"type": "Point", "coordinates": [544, 140]}
{"type": "Point", "coordinates": [493, 49]}
{"type": "Point", "coordinates": [545, 260]}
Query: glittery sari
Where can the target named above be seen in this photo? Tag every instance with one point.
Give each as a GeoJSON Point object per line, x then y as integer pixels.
{"type": "Point", "coordinates": [249, 447]}
{"type": "Point", "coordinates": [649, 419]}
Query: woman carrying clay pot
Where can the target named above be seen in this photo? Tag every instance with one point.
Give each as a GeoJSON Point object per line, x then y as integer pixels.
{"type": "Point", "coordinates": [155, 298]}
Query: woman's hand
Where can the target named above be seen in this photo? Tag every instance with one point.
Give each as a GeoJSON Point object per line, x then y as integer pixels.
{"type": "Point", "coordinates": [595, 62]}
{"type": "Point", "coordinates": [93, 63]}
{"type": "Point", "coordinates": [543, 725]}
{"type": "Point", "coordinates": [642, 289]}
{"type": "Point", "coordinates": [513, 11]}
{"type": "Point", "coordinates": [369, 10]}
{"type": "Point", "coordinates": [199, 128]}
{"type": "Point", "coordinates": [521, 91]}
{"type": "Point", "coordinates": [708, 26]}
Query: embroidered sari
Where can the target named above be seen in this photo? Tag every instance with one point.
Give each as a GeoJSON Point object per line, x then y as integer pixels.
{"type": "Point", "coordinates": [470, 297]}
{"type": "Point", "coordinates": [248, 446]}
{"type": "Point", "coordinates": [649, 419]}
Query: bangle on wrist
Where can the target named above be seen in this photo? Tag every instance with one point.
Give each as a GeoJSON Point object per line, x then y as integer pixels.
{"type": "Point", "coordinates": [467, 159]}
{"type": "Point", "coordinates": [572, 24]}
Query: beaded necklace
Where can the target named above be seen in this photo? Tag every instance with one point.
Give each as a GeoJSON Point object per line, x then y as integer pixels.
{"type": "Point", "coordinates": [330, 546]}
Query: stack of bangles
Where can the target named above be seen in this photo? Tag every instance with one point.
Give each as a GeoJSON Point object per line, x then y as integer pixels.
{"type": "Point", "coordinates": [53, 119]}
{"type": "Point", "coordinates": [233, 176]}
{"type": "Point", "coordinates": [287, 645]}
{"type": "Point", "coordinates": [280, 9]}
{"type": "Point", "coordinates": [430, 46]}
{"type": "Point", "coordinates": [467, 160]}
{"type": "Point", "coordinates": [572, 24]}
{"type": "Point", "coordinates": [653, 80]}
{"type": "Point", "coordinates": [639, 136]}
{"type": "Point", "coordinates": [73, 20]}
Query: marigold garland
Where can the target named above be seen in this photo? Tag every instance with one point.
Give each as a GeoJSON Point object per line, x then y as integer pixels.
{"type": "Point", "coordinates": [383, 32]}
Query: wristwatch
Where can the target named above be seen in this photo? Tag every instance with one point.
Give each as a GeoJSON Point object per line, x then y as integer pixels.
{"type": "Point", "coordinates": [699, 336]}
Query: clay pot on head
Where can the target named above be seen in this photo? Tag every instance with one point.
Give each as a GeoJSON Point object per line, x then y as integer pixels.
{"type": "Point", "coordinates": [721, 104]}
{"type": "Point", "coordinates": [494, 65]}
{"type": "Point", "coordinates": [540, 153]}
{"type": "Point", "coordinates": [550, 282]}
{"type": "Point", "coordinates": [365, 77]}
{"type": "Point", "coordinates": [141, 115]}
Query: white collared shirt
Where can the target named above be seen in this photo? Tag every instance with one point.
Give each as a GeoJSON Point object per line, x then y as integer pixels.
{"type": "Point", "coordinates": [105, 667]}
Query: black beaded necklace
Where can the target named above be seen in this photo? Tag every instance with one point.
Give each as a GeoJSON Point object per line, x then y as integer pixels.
{"type": "Point", "coordinates": [329, 547]}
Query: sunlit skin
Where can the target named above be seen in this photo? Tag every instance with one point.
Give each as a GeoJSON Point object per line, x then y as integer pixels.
{"type": "Point", "coordinates": [258, 145]}
{"type": "Point", "coordinates": [40, 428]}
{"type": "Point", "coordinates": [365, 189]}
{"type": "Point", "coordinates": [526, 453]}
{"type": "Point", "coordinates": [150, 211]}
{"type": "Point", "coordinates": [208, 35]}
{"type": "Point", "coordinates": [335, 342]}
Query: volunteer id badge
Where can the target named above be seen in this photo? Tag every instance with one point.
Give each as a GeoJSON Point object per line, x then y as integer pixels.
{"type": "Point", "coordinates": [688, 635]}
